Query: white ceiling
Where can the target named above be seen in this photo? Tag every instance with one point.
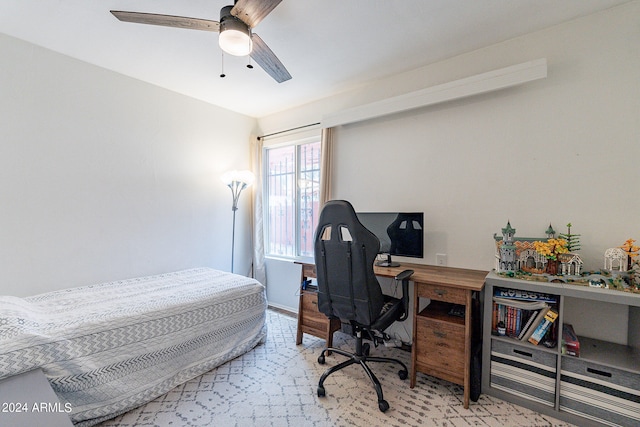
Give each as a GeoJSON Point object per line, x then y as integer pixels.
{"type": "Point", "coordinates": [328, 46]}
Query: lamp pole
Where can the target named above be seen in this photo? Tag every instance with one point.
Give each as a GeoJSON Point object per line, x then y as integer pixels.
{"type": "Point", "coordinates": [236, 181]}
{"type": "Point", "coordinates": [236, 188]}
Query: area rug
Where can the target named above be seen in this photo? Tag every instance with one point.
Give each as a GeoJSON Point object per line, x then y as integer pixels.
{"type": "Point", "coordinates": [275, 384]}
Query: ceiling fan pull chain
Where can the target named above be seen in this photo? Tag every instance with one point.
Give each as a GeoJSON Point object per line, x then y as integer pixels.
{"type": "Point", "coordinates": [222, 74]}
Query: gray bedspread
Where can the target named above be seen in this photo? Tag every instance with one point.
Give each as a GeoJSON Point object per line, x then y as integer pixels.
{"type": "Point", "coordinates": [111, 347]}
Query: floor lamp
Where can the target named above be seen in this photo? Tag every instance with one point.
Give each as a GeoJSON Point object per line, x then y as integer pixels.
{"type": "Point", "coordinates": [236, 181]}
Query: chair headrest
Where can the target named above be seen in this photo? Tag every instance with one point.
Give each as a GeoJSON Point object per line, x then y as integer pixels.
{"type": "Point", "coordinates": [340, 214]}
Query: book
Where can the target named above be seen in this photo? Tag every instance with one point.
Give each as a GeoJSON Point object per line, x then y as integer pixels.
{"type": "Point", "coordinates": [517, 294]}
{"type": "Point", "coordinates": [525, 305]}
{"type": "Point", "coordinates": [539, 332]}
{"type": "Point", "coordinates": [532, 317]}
{"type": "Point", "coordinates": [536, 322]}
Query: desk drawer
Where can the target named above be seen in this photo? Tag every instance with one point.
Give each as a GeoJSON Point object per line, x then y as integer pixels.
{"type": "Point", "coordinates": [440, 344]}
{"type": "Point", "coordinates": [310, 314]}
{"type": "Point", "coordinates": [309, 302]}
{"type": "Point", "coordinates": [442, 293]}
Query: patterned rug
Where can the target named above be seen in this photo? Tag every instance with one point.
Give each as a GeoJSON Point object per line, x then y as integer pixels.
{"type": "Point", "coordinates": [275, 385]}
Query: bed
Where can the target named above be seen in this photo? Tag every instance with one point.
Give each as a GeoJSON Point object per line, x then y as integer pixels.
{"type": "Point", "coordinates": [111, 347]}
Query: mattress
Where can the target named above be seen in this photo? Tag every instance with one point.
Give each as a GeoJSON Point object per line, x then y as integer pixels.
{"type": "Point", "coordinates": [111, 347]}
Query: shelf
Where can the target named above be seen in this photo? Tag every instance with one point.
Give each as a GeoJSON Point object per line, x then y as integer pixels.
{"type": "Point", "coordinates": [438, 310]}
{"type": "Point", "coordinates": [585, 386]}
{"type": "Point", "coordinates": [608, 354]}
{"type": "Point", "coordinates": [514, 341]}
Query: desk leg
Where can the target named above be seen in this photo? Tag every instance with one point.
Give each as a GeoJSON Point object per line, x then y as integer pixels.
{"type": "Point", "coordinates": [299, 334]}
{"type": "Point", "coordinates": [467, 348]}
{"type": "Point", "coordinates": [333, 325]}
{"type": "Point", "coordinates": [414, 355]}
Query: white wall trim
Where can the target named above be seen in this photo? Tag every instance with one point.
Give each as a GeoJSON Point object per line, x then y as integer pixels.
{"type": "Point", "coordinates": [457, 89]}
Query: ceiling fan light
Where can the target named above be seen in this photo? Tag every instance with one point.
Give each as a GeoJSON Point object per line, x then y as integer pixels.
{"type": "Point", "coordinates": [235, 37]}
{"type": "Point", "coordinates": [235, 42]}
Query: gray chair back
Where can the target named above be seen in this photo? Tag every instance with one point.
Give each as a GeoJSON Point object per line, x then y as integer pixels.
{"type": "Point", "coordinates": [344, 255]}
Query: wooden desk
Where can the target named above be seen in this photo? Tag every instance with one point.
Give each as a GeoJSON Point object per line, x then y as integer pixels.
{"type": "Point", "coordinates": [310, 320]}
{"type": "Point", "coordinates": [441, 342]}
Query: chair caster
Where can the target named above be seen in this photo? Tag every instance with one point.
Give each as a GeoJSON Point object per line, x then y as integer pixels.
{"type": "Point", "coordinates": [402, 373]}
{"type": "Point", "coordinates": [321, 392]}
{"type": "Point", "coordinates": [321, 359]}
{"type": "Point", "coordinates": [383, 405]}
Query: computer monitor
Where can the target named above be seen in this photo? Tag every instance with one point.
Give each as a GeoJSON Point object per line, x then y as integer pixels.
{"type": "Point", "coordinates": [400, 233]}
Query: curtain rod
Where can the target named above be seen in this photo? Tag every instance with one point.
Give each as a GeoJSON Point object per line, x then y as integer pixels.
{"type": "Point", "coordinates": [288, 130]}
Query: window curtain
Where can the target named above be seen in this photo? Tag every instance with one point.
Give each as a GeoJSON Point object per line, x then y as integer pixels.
{"type": "Point", "coordinates": [326, 146]}
{"type": "Point", "coordinates": [259, 269]}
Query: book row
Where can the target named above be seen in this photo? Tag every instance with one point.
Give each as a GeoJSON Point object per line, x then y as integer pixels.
{"type": "Point", "coordinates": [535, 324]}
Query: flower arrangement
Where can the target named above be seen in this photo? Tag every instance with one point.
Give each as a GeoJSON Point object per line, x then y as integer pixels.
{"type": "Point", "coordinates": [551, 248]}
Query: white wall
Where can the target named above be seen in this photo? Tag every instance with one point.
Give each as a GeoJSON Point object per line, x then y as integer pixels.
{"type": "Point", "coordinates": [557, 150]}
{"type": "Point", "coordinates": [104, 177]}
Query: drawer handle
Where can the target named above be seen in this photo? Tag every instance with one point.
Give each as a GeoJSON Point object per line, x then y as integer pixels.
{"type": "Point", "coordinates": [598, 372]}
{"type": "Point", "coordinates": [440, 292]}
{"type": "Point", "coordinates": [440, 334]}
{"type": "Point", "coordinates": [314, 302]}
{"type": "Point", "coordinates": [522, 353]}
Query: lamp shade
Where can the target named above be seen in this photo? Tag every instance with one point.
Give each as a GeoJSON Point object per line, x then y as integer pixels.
{"type": "Point", "coordinates": [244, 176]}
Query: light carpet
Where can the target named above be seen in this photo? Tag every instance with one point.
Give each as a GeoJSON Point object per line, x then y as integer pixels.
{"type": "Point", "coordinates": [275, 385]}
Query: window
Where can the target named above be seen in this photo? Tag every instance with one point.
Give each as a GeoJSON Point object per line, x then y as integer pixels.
{"type": "Point", "coordinates": [293, 189]}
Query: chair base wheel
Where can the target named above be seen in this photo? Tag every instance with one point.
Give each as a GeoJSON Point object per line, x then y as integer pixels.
{"type": "Point", "coordinates": [383, 405]}
{"type": "Point", "coordinates": [321, 359]}
{"type": "Point", "coordinates": [403, 374]}
{"type": "Point", "coordinates": [321, 392]}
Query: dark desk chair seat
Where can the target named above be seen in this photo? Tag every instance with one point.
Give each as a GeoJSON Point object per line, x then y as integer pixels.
{"type": "Point", "coordinates": [349, 290]}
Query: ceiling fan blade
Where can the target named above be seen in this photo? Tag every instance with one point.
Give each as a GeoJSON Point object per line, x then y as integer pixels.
{"type": "Point", "coordinates": [268, 60]}
{"type": "Point", "coordinates": [167, 20]}
{"type": "Point", "coordinates": [251, 12]}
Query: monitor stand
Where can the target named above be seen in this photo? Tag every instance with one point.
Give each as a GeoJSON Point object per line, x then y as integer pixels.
{"type": "Point", "coordinates": [388, 262]}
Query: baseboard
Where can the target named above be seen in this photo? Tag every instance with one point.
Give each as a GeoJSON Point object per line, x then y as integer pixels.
{"type": "Point", "coordinates": [283, 310]}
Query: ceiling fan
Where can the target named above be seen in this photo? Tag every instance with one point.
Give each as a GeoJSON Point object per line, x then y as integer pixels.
{"type": "Point", "coordinates": [235, 28]}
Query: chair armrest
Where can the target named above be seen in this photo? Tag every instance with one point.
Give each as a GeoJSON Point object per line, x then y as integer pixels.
{"type": "Point", "coordinates": [404, 278]}
{"type": "Point", "coordinates": [404, 275]}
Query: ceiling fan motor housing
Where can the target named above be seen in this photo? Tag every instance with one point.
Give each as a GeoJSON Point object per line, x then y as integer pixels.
{"type": "Point", "coordinates": [225, 13]}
